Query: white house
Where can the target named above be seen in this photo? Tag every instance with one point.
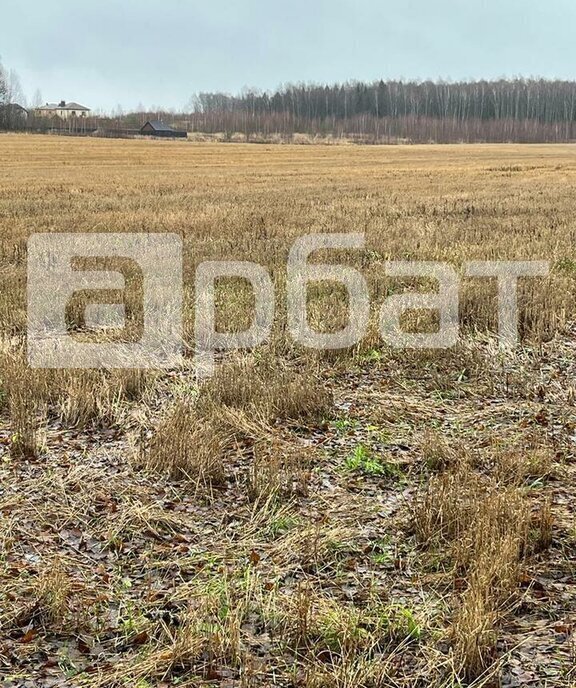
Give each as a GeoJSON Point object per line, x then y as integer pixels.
{"type": "Point", "coordinates": [63, 110]}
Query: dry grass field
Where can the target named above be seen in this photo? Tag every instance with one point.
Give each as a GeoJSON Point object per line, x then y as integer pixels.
{"type": "Point", "coordinates": [361, 518]}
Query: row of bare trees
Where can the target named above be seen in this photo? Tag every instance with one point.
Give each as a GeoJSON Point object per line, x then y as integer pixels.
{"type": "Point", "coordinates": [504, 110]}
{"type": "Point", "coordinates": [522, 110]}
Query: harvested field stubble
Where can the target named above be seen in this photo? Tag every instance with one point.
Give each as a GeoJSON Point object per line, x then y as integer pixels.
{"type": "Point", "coordinates": [369, 517]}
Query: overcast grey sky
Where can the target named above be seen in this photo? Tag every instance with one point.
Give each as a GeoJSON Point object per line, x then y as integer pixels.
{"type": "Point", "coordinates": [159, 52]}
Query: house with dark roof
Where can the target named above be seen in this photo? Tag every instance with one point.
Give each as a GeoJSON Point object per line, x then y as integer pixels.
{"type": "Point", "coordinates": [158, 128]}
{"type": "Point", "coordinates": [13, 115]}
{"type": "Point", "coordinates": [63, 110]}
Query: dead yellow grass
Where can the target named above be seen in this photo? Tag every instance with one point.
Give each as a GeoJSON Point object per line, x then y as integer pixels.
{"type": "Point", "coordinates": [361, 518]}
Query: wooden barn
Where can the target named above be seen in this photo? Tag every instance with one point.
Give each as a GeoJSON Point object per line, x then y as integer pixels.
{"type": "Point", "coordinates": [157, 128]}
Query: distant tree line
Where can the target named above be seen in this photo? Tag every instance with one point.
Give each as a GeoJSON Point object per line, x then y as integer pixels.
{"type": "Point", "coordinates": [517, 110]}
{"type": "Point", "coordinates": [504, 110]}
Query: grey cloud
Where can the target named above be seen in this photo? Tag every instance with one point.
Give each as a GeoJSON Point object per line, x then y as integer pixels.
{"type": "Point", "coordinates": [161, 52]}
